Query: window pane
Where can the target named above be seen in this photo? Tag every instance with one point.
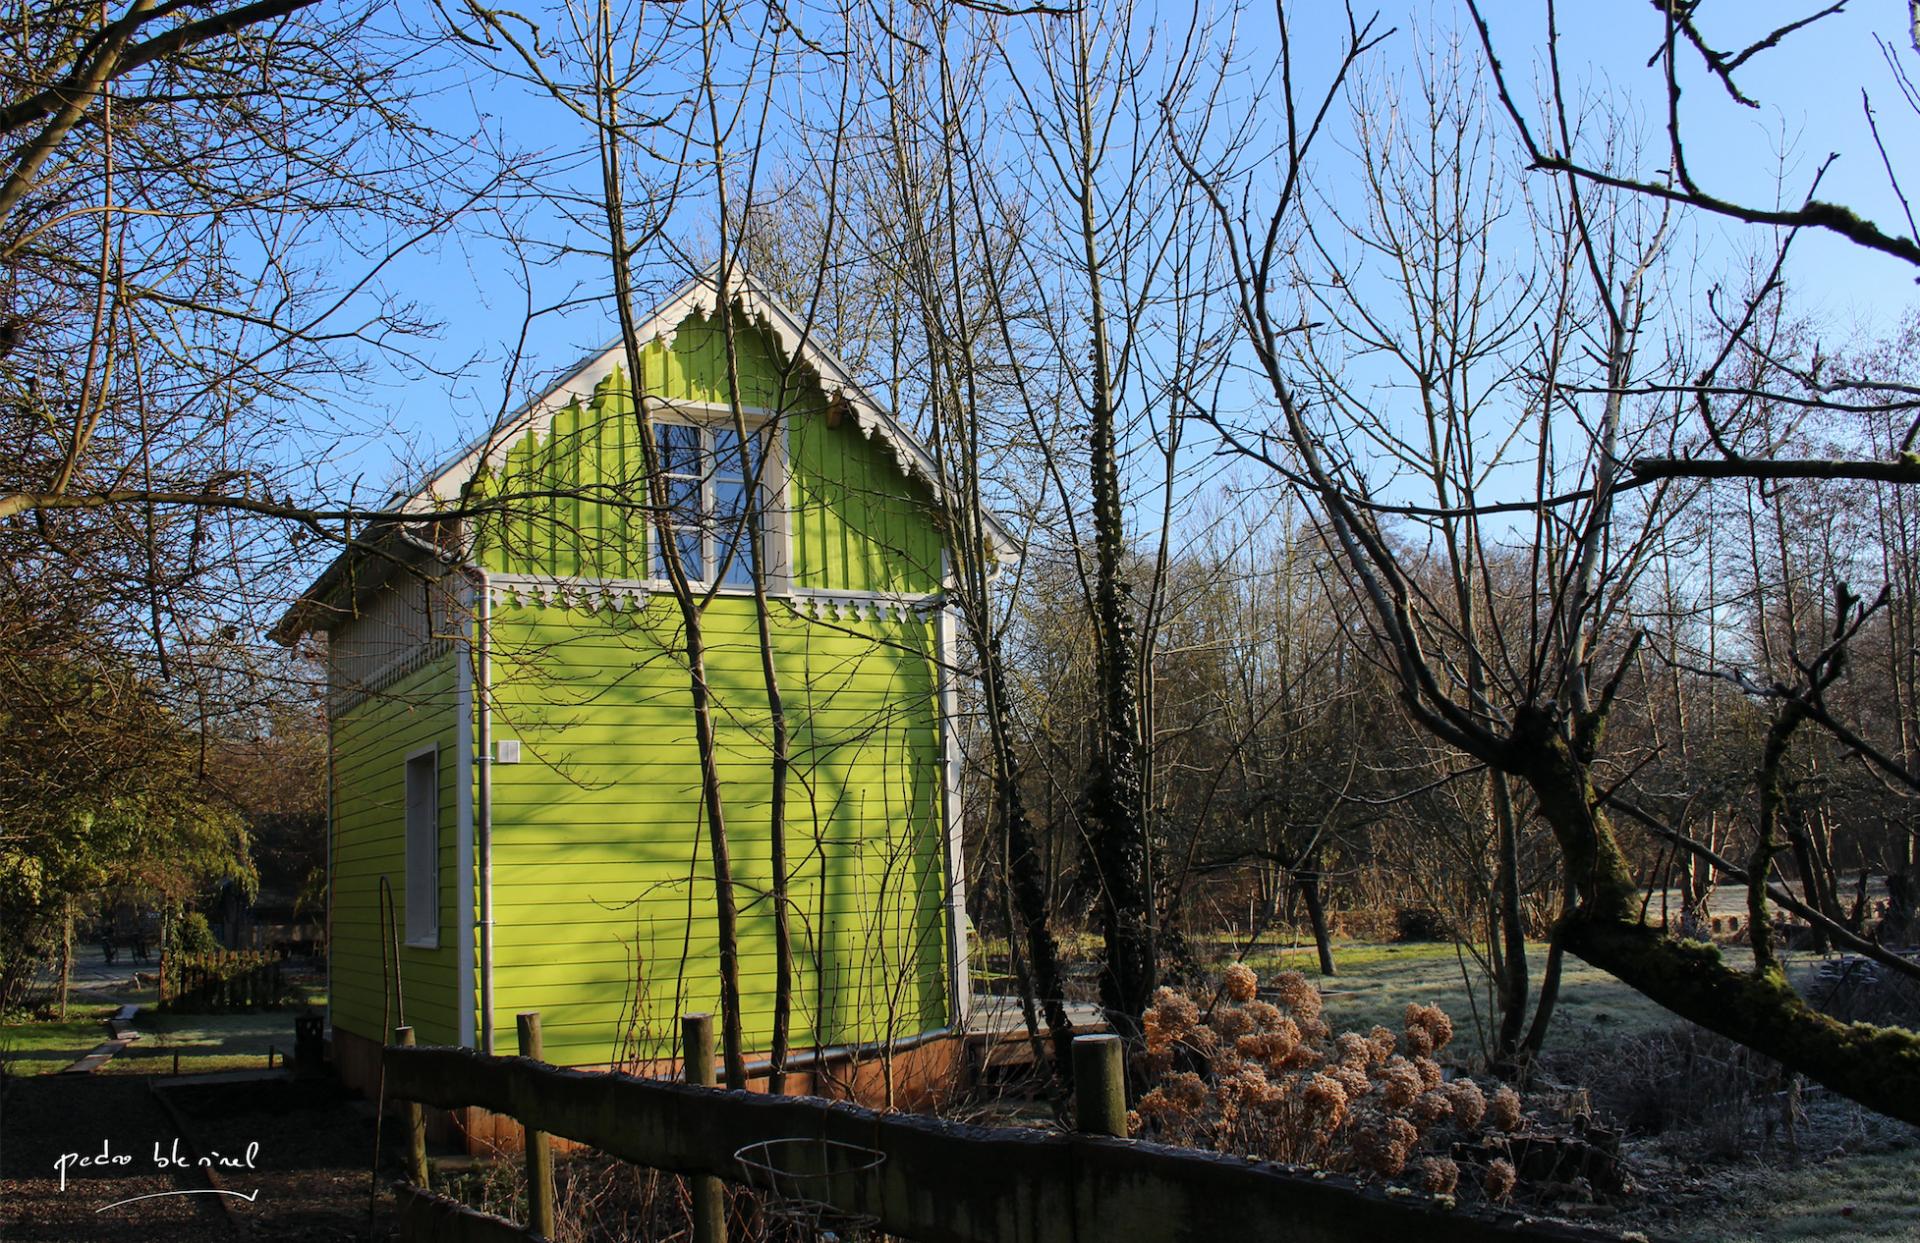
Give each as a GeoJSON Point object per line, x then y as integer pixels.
{"type": "Point", "coordinates": [726, 453]}
{"type": "Point", "coordinates": [422, 829]}
{"type": "Point", "coordinates": [730, 505]}
{"type": "Point", "coordinates": [679, 448]}
{"type": "Point", "coordinates": [683, 498]}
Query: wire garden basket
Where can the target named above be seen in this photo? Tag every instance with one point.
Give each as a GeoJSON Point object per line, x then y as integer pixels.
{"type": "Point", "coordinates": [805, 1182]}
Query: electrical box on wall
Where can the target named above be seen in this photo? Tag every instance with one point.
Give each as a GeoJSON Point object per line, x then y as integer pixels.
{"type": "Point", "coordinates": [506, 751]}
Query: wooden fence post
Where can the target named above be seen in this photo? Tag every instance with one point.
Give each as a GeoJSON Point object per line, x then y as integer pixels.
{"type": "Point", "coordinates": [539, 1147]}
{"type": "Point", "coordinates": [1099, 1086]}
{"type": "Point", "coordinates": [416, 1123]}
{"type": "Point", "coordinates": [696, 1061]}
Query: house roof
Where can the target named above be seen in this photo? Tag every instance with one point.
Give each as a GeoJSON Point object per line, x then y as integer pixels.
{"type": "Point", "coordinates": [699, 295]}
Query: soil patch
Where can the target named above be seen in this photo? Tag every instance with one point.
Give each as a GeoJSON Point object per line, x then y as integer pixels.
{"type": "Point", "coordinates": [301, 1150]}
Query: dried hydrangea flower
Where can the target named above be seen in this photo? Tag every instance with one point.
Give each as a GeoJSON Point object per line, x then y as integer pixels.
{"type": "Point", "coordinates": [1241, 983]}
{"type": "Point", "coordinates": [1399, 1083]}
{"type": "Point", "coordinates": [1383, 1041]}
{"type": "Point", "coordinates": [1298, 994]}
{"type": "Point", "coordinates": [1431, 1076]}
{"type": "Point", "coordinates": [1383, 1144]}
{"type": "Point", "coordinates": [1431, 1107]}
{"type": "Point", "coordinates": [1230, 1022]}
{"type": "Point", "coordinates": [1171, 1018]}
{"type": "Point", "coordinates": [1469, 1103]}
{"type": "Point", "coordinates": [1266, 1016]}
{"type": "Point", "coordinates": [1439, 1176]}
{"type": "Point", "coordinates": [1326, 1099]}
{"type": "Point", "coordinates": [1354, 1081]}
{"type": "Point", "coordinates": [1503, 1111]}
{"type": "Point", "coordinates": [1500, 1180]}
{"type": "Point", "coordinates": [1432, 1021]}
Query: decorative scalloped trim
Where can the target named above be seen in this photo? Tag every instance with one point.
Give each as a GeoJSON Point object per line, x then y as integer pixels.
{"type": "Point", "coordinates": [861, 605]}
{"type": "Point", "coordinates": [700, 295]}
{"type": "Point", "coordinates": [590, 595]}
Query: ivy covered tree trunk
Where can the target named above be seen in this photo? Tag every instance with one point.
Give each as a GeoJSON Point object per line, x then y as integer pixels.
{"type": "Point", "coordinates": [1876, 1066]}
{"type": "Point", "coordinates": [1115, 800]}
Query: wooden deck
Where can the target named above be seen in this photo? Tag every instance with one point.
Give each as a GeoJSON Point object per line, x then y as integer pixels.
{"type": "Point", "coordinates": [997, 1030]}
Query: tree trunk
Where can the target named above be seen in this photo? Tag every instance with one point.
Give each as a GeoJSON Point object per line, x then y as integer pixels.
{"type": "Point", "coordinates": [1115, 795]}
{"type": "Point", "coordinates": [66, 955]}
{"type": "Point", "coordinates": [1511, 986]}
{"type": "Point", "coordinates": [1876, 1066]}
{"type": "Point", "coordinates": [753, 468]}
{"type": "Point", "coordinates": [1309, 882]}
{"type": "Point", "coordinates": [1025, 878]}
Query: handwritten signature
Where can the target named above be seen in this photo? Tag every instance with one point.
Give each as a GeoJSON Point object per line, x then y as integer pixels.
{"type": "Point", "coordinates": [171, 1159]}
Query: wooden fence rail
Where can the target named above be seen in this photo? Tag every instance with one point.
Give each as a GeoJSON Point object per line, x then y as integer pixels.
{"type": "Point", "coordinates": [943, 1182]}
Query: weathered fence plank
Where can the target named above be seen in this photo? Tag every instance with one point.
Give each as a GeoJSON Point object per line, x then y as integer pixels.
{"type": "Point", "coordinates": [948, 1183]}
{"type": "Point", "coordinates": [539, 1149]}
{"type": "Point", "coordinates": [696, 1067]}
{"type": "Point", "coordinates": [428, 1218]}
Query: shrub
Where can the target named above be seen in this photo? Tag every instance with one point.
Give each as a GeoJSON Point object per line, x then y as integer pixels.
{"type": "Point", "coordinates": [192, 935]}
{"type": "Point", "coordinates": [1264, 1076]}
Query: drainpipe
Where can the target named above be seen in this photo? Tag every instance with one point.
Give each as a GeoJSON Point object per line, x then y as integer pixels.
{"type": "Point", "coordinates": [483, 812]}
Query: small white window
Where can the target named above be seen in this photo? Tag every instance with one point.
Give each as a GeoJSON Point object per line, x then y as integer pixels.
{"type": "Point", "coordinates": [423, 848]}
{"type": "Point", "coordinates": [707, 488]}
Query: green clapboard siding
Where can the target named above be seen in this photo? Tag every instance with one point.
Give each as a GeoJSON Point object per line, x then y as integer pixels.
{"type": "Point", "coordinates": [603, 897]}
{"type": "Point", "coordinates": [856, 522]}
{"type": "Point", "coordinates": [602, 881]}
{"type": "Point", "coordinates": [370, 744]}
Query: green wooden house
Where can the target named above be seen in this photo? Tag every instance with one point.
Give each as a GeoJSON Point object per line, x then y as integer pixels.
{"type": "Point", "coordinates": [512, 738]}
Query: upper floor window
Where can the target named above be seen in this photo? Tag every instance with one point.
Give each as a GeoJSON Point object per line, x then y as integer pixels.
{"type": "Point", "coordinates": [707, 481]}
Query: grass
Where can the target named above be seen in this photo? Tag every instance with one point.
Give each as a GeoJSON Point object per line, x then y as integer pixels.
{"type": "Point", "coordinates": [207, 1042]}
{"type": "Point", "coordinates": [44, 1048]}
{"type": "Point", "coordinates": [1377, 981]}
{"type": "Point", "coordinates": [1864, 1198]}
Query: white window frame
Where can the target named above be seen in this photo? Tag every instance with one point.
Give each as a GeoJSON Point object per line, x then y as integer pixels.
{"type": "Point", "coordinates": [776, 533]}
{"type": "Point", "coordinates": [422, 870]}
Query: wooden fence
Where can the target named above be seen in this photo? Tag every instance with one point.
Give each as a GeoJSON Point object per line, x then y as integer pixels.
{"type": "Point", "coordinates": [222, 980]}
{"type": "Point", "coordinates": [939, 1182]}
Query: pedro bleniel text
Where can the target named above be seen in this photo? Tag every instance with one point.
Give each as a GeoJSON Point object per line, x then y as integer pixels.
{"type": "Point", "coordinates": [170, 1159]}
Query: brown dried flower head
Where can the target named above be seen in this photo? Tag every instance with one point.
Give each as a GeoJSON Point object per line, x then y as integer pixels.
{"type": "Point", "coordinates": [1298, 994]}
{"type": "Point", "coordinates": [1503, 1111]}
{"type": "Point", "coordinates": [1399, 1083]}
{"type": "Point", "coordinates": [1431, 1107]}
{"type": "Point", "coordinates": [1241, 983]}
{"type": "Point", "coordinates": [1170, 1019]}
{"type": "Point", "coordinates": [1500, 1180]}
{"type": "Point", "coordinates": [1353, 1049]}
{"type": "Point", "coordinates": [1231, 1022]}
{"type": "Point", "coordinates": [1326, 1099]}
{"type": "Point", "coordinates": [1431, 1020]}
{"type": "Point", "coordinates": [1383, 1144]}
{"type": "Point", "coordinates": [1383, 1041]}
{"type": "Point", "coordinates": [1469, 1103]}
{"type": "Point", "coordinates": [1439, 1176]}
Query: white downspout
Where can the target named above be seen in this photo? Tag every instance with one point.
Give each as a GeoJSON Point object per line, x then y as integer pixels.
{"type": "Point", "coordinates": [959, 983]}
{"type": "Point", "coordinates": [484, 812]}
{"type": "Point", "coordinates": [463, 961]}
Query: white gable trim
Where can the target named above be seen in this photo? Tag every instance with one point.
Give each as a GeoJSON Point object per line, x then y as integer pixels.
{"type": "Point", "coordinates": [700, 294]}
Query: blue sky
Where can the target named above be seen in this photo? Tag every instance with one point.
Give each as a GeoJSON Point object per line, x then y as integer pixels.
{"type": "Point", "coordinates": [1809, 94]}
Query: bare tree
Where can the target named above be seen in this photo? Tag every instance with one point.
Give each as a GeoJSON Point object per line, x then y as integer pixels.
{"type": "Point", "coordinates": [1543, 721]}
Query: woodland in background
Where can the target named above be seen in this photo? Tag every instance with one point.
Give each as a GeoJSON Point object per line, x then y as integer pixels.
{"type": "Point", "coordinates": [1411, 529]}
